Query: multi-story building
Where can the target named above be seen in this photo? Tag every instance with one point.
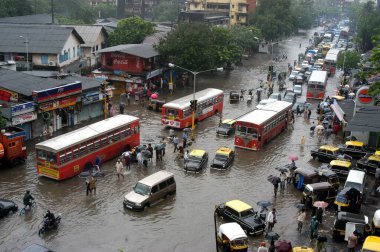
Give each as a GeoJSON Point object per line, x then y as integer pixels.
{"type": "Point", "coordinates": [237, 10]}
{"type": "Point", "coordinates": [96, 2]}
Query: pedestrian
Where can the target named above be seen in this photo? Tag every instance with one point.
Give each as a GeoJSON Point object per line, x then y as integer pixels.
{"type": "Point", "coordinates": [50, 130]}
{"type": "Point", "coordinates": [275, 188]}
{"type": "Point", "coordinates": [119, 169]}
{"type": "Point", "coordinates": [263, 213]}
{"type": "Point", "coordinates": [298, 110]}
{"type": "Point", "coordinates": [301, 220]}
{"type": "Point", "coordinates": [129, 98]}
{"type": "Point", "coordinates": [290, 176]}
{"type": "Point", "coordinates": [145, 159]}
{"type": "Point", "coordinates": [314, 228]}
{"type": "Point", "coordinates": [303, 141]}
{"type": "Point", "coordinates": [88, 186]}
{"type": "Point", "coordinates": [295, 63]}
{"type": "Point", "coordinates": [242, 95]}
{"type": "Point", "coordinates": [121, 108]}
{"type": "Point", "coordinates": [93, 184]}
{"type": "Point", "coordinates": [150, 149]}
{"type": "Point", "coordinates": [271, 219]}
{"type": "Point", "coordinates": [272, 248]}
{"type": "Point", "coordinates": [186, 156]}
{"type": "Point", "coordinates": [175, 143]}
{"type": "Point", "coordinates": [139, 159]}
{"type": "Point", "coordinates": [308, 114]}
{"type": "Point", "coordinates": [283, 179]}
{"type": "Point", "coordinates": [319, 215]}
{"type": "Point", "coordinates": [300, 45]}
{"type": "Point", "coordinates": [352, 241]}
{"type": "Point", "coordinates": [127, 161]}
{"type": "Point", "coordinates": [262, 247]}
{"type": "Point", "coordinates": [184, 139]}
{"type": "Point", "coordinates": [292, 117]}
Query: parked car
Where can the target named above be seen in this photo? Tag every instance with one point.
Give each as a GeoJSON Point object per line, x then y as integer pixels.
{"type": "Point", "coordinates": [226, 128]}
{"type": "Point", "coordinates": [7, 206]}
{"type": "Point", "coordinates": [340, 167]}
{"type": "Point", "coordinates": [293, 75]}
{"type": "Point", "coordinates": [356, 149]}
{"type": "Point", "coordinates": [234, 96]}
{"type": "Point", "coordinates": [223, 158]}
{"type": "Point", "coordinates": [290, 97]}
{"type": "Point", "coordinates": [196, 161]}
{"type": "Point", "coordinates": [275, 96]}
{"type": "Point", "coordinates": [327, 153]}
{"type": "Point", "coordinates": [243, 214]}
{"type": "Point", "coordinates": [264, 102]}
{"type": "Point", "coordinates": [298, 80]}
{"type": "Point", "coordinates": [297, 89]}
{"type": "Point", "coordinates": [369, 163]}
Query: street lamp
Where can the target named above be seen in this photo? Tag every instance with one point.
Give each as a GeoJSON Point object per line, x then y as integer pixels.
{"type": "Point", "coordinates": [171, 65]}
{"type": "Point", "coordinates": [26, 42]}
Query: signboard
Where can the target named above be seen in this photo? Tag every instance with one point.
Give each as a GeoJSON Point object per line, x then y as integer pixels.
{"type": "Point", "coordinates": [6, 95]}
{"type": "Point", "coordinates": [63, 103]}
{"type": "Point", "coordinates": [57, 92]}
{"type": "Point", "coordinates": [22, 108]}
{"type": "Point", "coordinates": [92, 97]}
{"type": "Point", "coordinates": [122, 62]}
{"type": "Point", "coordinates": [154, 73]}
{"type": "Point", "coordinates": [363, 99]}
{"type": "Point", "coordinates": [23, 118]}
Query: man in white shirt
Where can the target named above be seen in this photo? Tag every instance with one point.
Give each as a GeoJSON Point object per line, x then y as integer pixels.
{"type": "Point", "coordinates": [271, 219]}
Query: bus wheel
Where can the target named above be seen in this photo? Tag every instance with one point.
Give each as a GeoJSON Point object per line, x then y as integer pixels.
{"type": "Point", "coordinates": [11, 163]}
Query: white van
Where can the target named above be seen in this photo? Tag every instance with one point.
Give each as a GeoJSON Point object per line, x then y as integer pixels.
{"type": "Point", "coordinates": [355, 179]}
{"type": "Point", "coordinates": [150, 190]}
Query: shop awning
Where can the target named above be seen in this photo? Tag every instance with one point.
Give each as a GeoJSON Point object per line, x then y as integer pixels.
{"type": "Point", "coordinates": [343, 110]}
{"type": "Point", "coordinates": [338, 111]}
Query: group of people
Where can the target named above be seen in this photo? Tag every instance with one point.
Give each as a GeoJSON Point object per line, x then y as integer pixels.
{"type": "Point", "coordinates": [180, 149]}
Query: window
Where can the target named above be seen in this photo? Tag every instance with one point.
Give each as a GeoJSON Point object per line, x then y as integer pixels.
{"type": "Point", "coordinates": [41, 154]}
{"type": "Point", "coordinates": [76, 152]}
{"type": "Point", "coordinates": [241, 129]}
{"type": "Point", "coordinates": [154, 189]}
{"type": "Point", "coordinates": [97, 144]}
{"type": "Point", "coordinates": [68, 156]}
{"type": "Point", "coordinates": [73, 52]}
{"type": "Point", "coordinates": [78, 51]}
{"type": "Point", "coordinates": [172, 112]}
{"type": "Point", "coordinates": [51, 157]}
{"type": "Point", "coordinates": [163, 185]}
{"type": "Point", "coordinates": [83, 150]}
{"type": "Point", "coordinates": [90, 147]}
{"type": "Point", "coordinates": [62, 158]}
{"type": "Point", "coordinates": [170, 181]}
{"type": "Point", "coordinates": [44, 59]}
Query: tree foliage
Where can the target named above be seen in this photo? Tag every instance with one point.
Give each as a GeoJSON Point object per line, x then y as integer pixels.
{"type": "Point", "coordinates": [105, 10]}
{"type": "Point", "coordinates": [165, 11]}
{"type": "Point", "coordinates": [348, 59]}
{"type": "Point", "coordinates": [11, 8]}
{"type": "Point", "coordinates": [132, 30]}
{"type": "Point", "coordinates": [246, 37]}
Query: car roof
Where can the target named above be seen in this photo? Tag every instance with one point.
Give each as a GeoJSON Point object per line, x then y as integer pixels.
{"type": "Point", "coordinates": [340, 163]}
{"type": "Point", "coordinates": [238, 205]}
{"type": "Point", "coordinates": [374, 158]}
{"type": "Point", "coordinates": [224, 151]}
{"type": "Point", "coordinates": [229, 121]}
{"type": "Point", "coordinates": [329, 148]}
{"type": "Point", "coordinates": [155, 178]}
{"type": "Point", "coordinates": [355, 143]}
{"type": "Point", "coordinates": [372, 243]}
{"type": "Point", "coordinates": [197, 153]}
{"type": "Point", "coordinates": [377, 153]}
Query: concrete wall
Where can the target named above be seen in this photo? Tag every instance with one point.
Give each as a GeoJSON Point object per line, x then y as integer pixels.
{"type": "Point", "coordinates": [71, 43]}
{"type": "Point", "coordinates": [52, 59]}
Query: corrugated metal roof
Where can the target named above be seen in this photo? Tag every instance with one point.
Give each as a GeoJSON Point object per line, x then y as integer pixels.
{"type": "Point", "coordinates": [48, 39]}
{"type": "Point", "coordinates": [141, 50]}
{"type": "Point", "coordinates": [89, 33]}
{"type": "Point", "coordinates": [365, 119]}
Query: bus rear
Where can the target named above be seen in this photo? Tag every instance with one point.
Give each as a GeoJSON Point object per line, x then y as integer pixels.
{"type": "Point", "coordinates": [316, 85]}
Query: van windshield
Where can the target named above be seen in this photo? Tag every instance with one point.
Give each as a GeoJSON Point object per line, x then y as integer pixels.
{"type": "Point", "coordinates": [357, 186]}
{"type": "Point", "coordinates": [141, 189]}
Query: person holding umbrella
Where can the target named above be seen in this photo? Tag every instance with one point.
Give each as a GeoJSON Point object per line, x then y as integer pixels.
{"type": "Point", "coordinates": [264, 208]}
{"type": "Point", "coordinates": [262, 247]}
{"type": "Point", "coordinates": [271, 219]}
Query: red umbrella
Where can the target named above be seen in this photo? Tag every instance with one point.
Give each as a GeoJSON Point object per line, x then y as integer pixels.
{"type": "Point", "coordinates": [293, 157]}
{"type": "Point", "coordinates": [320, 204]}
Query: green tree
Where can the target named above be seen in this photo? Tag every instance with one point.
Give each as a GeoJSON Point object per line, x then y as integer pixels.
{"type": "Point", "coordinates": [374, 90]}
{"type": "Point", "coordinates": [131, 30]}
{"type": "Point", "coordinates": [348, 59]}
{"type": "Point", "coordinates": [225, 48]}
{"type": "Point", "coordinates": [246, 37]}
{"type": "Point", "coordinates": [165, 11]}
{"type": "Point", "coordinates": [11, 8]}
{"type": "Point", "coordinates": [105, 10]}
{"type": "Point", "coordinates": [304, 13]}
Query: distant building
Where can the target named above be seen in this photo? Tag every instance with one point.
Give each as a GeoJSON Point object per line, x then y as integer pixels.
{"type": "Point", "coordinates": [96, 2]}
{"type": "Point", "coordinates": [210, 18]}
{"type": "Point", "coordinates": [236, 10]}
{"type": "Point", "coordinates": [46, 46]}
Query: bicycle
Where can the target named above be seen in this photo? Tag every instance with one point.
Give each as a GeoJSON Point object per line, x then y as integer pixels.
{"type": "Point", "coordinates": [25, 209]}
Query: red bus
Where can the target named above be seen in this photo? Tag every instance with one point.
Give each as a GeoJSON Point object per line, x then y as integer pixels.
{"type": "Point", "coordinates": [177, 113]}
{"type": "Point", "coordinates": [316, 86]}
{"type": "Point", "coordinates": [330, 61]}
{"type": "Point", "coordinates": [66, 155]}
{"type": "Point", "coordinates": [259, 126]}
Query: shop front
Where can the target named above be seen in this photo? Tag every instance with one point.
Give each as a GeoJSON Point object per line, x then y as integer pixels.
{"type": "Point", "coordinates": [22, 115]}
{"type": "Point", "coordinates": [92, 106]}
{"type": "Point", "coordinates": [57, 107]}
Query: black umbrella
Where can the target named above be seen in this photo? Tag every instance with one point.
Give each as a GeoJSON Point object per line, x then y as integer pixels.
{"type": "Point", "coordinates": [300, 206]}
{"type": "Point", "coordinates": [282, 169]}
{"type": "Point", "coordinates": [273, 179]}
{"type": "Point", "coordinates": [272, 236]}
{"type": "Point", "coordinates": [290, 166]}
{"type": "Point", "coordinates": [264, 203]}
{"type": "Point", "coordinates": [146, 154]}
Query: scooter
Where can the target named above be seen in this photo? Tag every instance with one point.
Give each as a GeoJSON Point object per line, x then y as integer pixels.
{"type": "Point", "coordinates": [46, 225]}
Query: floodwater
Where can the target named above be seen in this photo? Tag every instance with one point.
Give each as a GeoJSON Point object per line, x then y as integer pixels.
{"type": "Point", "coordinates": [183, 222]}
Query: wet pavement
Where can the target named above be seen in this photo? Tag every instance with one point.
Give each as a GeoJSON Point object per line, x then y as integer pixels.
{"type": "Point", "coordinates": [183, 222]}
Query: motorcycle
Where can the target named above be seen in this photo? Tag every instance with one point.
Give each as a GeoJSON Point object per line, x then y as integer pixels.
{"type": "Point", "coordinates": [47, 225]}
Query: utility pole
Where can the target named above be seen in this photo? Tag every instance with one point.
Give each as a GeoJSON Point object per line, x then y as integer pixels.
{"type": "Point", "coordinates": [142, 9]}
{"type": "Point", "coordinates": [52, 11]}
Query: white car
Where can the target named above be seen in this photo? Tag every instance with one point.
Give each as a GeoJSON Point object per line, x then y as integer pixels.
{"type": "Point", "coordinates": [293, 75]}
{"type": "Point", "coordinates": [262, 103]}
{"type": "Point", "coordinates": [297, 89]}
{"type": "Point", "coordinates": [305, 64]}
{"type": "Point", "coordinates": [275, 96]}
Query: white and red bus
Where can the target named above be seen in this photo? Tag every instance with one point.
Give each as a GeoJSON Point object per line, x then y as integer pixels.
{"type": "Point", "coordinates": [178, 114]}
{"type": "Point", "coordinates": [316, 86]}
{"type": "Point", "coordinates": [330, 61]}
{"type": "Point", "coordinates": [258, 127]}
{"type": "Point", "coordinates": [66, 155]}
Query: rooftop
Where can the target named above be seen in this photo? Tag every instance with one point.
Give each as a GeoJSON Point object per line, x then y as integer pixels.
{"type": "Point", "coordinates": [29, 19]}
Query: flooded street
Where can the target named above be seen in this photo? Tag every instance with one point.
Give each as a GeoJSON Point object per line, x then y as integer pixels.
{"type": "Point", "coordinates": [183, 222]}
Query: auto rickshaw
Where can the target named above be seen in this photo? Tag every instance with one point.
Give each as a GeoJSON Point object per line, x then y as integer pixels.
{"type": "Point", "coordinates": [231, 237]}
{"type": "Point", "coordinates": [371, 244]}
{"type": "Point", "coordinates": [322, 191]}
{"type": "Point", "coordinates": [376, 223]}
{"type": "Point", "coordinates": [327, 175]}
{"type": "Point", "coordinates": [302, 249]}
{"type": "Point", "coordinates": [304, 176]}
{"type": "Point", "coordinates": [360, 221]}
{"type": "Point", "coordinates": [340, 167]}
{"type": "Point", "coordinates": [349, 199]}
{"type": "Point", "coordinates": [156, 105]}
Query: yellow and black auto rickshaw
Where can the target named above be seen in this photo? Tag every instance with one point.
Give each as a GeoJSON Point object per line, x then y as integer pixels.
{"type": "Point", "coordinates": [231, 237]}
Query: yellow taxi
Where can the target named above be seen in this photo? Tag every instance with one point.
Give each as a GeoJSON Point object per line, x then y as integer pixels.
{"type": "Point", "coordinates": [356, 149]}
{"type": "Point", "coordinates": [226, 127]}
{"type": "Point", "coordinates": [223, 159]}
{"type": "Point", "coordinates": [302, 249]}
{"type": "Point", "coordinates": [340, 167]}
{"type": "Point", "coordinates": [196, 160]}
{"type": "Point", "coordinates": [369, 163]}
{"type": "Point", "coordinates": [371, 244]}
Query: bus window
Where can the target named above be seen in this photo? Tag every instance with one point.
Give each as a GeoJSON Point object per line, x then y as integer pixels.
{"type": "Point", "coordinates": [116, 136]}
{"type": "Point", "coordinates": [62, 157]}
{"type": "Point", "coordinates": [83, 150]}
{"type": "Point", "coordinates": [252, 132]}
{"type": "Point", "coordinates": [171, 112]}
{"type": "Point", "coordinates": [90, 147]}
{"type": "Point", "coordinates": [136, 130]}
{"type": "Point", "coordinates": [76, 152]}
{"type": "Point", "coordinates": [97, 144]}
{"type": "Point", "coordinates": [242, 130]}
{"type": "Point", "coordinates": [41, 154]}
{"type": "Point", "coordinates": [51, 157]}
{"type": "Point", "coordinates": [186, 113]}
{"type": "Point", "coordinates": [311, 86]}
{"type": "Point", "coordinates": [68, 156]}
